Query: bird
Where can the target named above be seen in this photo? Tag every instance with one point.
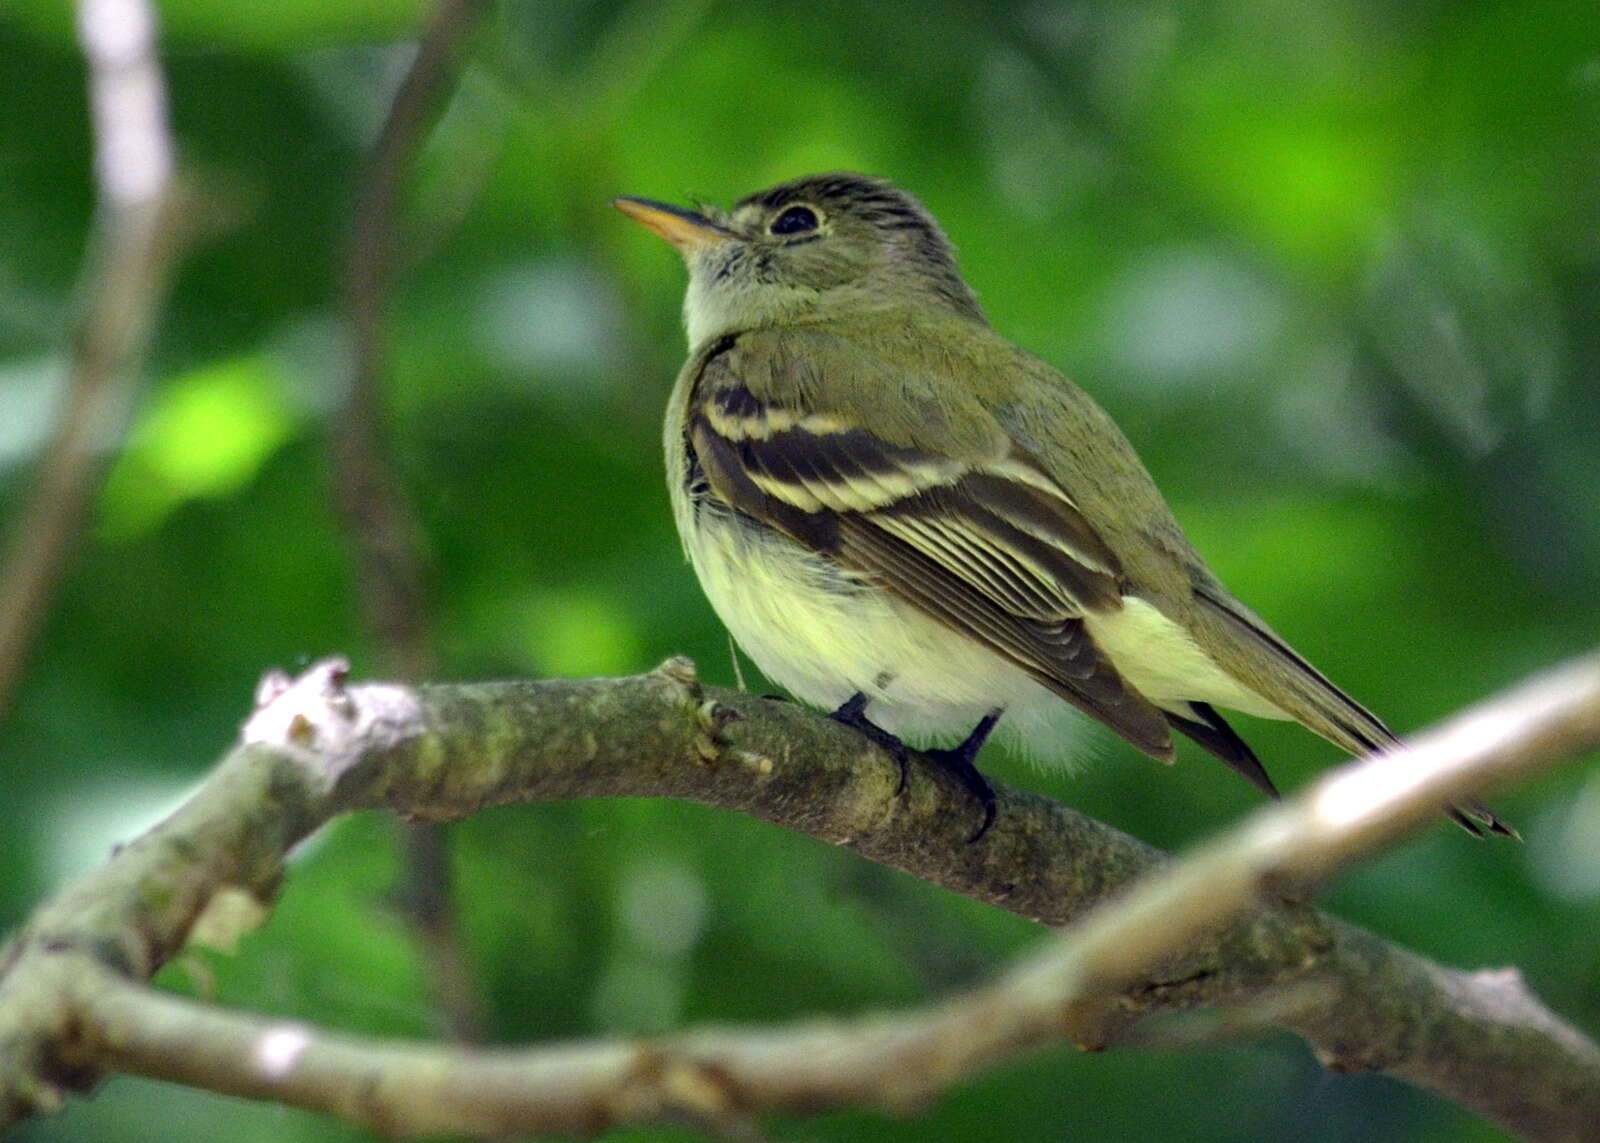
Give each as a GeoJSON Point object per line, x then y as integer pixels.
{"type": "Point", "coordinates": [905, 518]}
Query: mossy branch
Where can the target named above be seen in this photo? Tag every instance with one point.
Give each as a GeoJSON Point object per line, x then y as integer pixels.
{"type": "Point", "coordinates": [1214, 929]}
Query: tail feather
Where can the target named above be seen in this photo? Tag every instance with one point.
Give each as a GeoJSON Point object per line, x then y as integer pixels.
{"type": "Point", "coordinates": [1208, 728]}
{"type": "Point", "coordinates": [1328, 711]}
{"type": "Point", "coordinates": [1322, 706]}
{"type": "Point", "coordinates": [1476, 818]}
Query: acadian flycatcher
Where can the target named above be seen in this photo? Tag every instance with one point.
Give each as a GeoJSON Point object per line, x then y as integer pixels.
{"type": "Point", "coordinates": [901, 515]}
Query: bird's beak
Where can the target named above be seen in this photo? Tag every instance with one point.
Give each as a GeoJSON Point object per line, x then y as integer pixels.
{"type": "Point", "coordinates": [686, 229]}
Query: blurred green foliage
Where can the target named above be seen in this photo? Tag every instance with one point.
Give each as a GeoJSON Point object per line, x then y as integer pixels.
{"type": "Point", "coordinates": [1333, 267]}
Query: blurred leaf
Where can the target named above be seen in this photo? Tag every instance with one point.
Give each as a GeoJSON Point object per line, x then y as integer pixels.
{"type": "Point", "coordinates": [206, 434]}
{"type": "Point", "coordinates": [577, 632]}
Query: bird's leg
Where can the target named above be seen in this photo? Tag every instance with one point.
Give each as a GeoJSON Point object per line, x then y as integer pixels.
{"type": "Point", "coordinates": [958, 762]}
{"type": "Point", "coordinates": [852, 714]}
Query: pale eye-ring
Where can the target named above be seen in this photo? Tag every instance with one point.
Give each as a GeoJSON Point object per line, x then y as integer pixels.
{"type": "Point", "coordinates": [795, 220]}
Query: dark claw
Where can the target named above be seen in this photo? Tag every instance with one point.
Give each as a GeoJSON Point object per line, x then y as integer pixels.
{"type": "Point", "coordinates": [851, 714]}
{"type": "Point", "coordinates": [957, 761]}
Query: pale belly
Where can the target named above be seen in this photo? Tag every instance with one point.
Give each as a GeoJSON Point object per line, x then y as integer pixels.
{"type": "Point", "coordinates": [1162, 662]}
{"type": "Point", "coordinates": [825, 637]}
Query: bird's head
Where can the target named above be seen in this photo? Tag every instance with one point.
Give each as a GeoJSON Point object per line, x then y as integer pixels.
{"type": "Point", "coordinates": [816, 249]}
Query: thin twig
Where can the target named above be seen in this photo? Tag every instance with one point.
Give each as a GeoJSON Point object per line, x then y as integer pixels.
{"type": "Point", "coordinates": [393, 576]}
{"type": "Point", "coordinates": [391, 570]}
{"type": "Point", "coordinates": [1195, 934]}
{"type": "Point", "coordinates": [124, 280]}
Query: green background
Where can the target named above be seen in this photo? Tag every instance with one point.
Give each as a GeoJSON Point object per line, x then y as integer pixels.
{"type": "Point", "coordinates": [1332, 267]}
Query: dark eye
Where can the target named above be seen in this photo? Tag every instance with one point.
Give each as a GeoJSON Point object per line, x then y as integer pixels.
{"type": "Point", "coordinates": [795, 220]}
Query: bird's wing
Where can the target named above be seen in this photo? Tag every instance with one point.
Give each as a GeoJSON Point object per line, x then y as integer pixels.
{"type": "Point", "coordinates": [989, 546]}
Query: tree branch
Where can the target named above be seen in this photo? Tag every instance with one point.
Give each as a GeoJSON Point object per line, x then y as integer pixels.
{"type": "Point", "coordinates": [391, 570]}
{"type": "Point", "coordinates": [124, 279]}
{"type": "Point", "coordinates": [1195, 933]}
{"type": "Point", "coordinates": [392, 576]}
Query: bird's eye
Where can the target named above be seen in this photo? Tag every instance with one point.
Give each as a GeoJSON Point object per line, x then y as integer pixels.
{"type": "Point", "coordinates": [795, 220]}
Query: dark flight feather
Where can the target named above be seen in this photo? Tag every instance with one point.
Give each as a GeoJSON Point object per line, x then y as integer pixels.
{"type": "Point", "coordinates": [1005, 564]}
{"type": "Point", "coordinates": [1210, 730]}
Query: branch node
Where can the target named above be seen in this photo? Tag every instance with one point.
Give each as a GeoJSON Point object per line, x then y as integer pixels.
{"type": "Point", "coordinates": [1507, 979]}
{"type": "Point", "coordinates": [663, 1084]}
{"type": "Point", "coordinates": [717, 715]}
{"type": "Point", "coordinates": [273, 683]}
{"type": "Point", "coordinates": [713, 718]}
{"type": "Point", "coordinates": [696, 1089]}
{"type": "Point", "coordinates": [760, 763]}
{"type": "Point", "coordinates": [300, 732]}
{"type": "Point", "coordinates": [319, 720]}
{"type": "Point", "coordinates": [331, 675]}
{"type": "Point", "coordinates": [681, 670]}
{"type": "Point", "coordinates": [1505, 991]}
{"type": "Point", "coordinates": [231, 913]}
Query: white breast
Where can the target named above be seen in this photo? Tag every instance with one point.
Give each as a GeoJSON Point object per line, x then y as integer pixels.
{"type": "Point", "coordinates": [825, 637]}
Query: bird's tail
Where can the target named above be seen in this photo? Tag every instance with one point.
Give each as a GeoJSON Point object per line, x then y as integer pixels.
{"type": "Point", "coordinates": [1314, 701]}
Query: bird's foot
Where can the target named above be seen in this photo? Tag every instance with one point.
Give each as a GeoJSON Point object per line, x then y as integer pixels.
{"type": "Point", "coordinates": [958, 762]}
{"type": "Point", "coordinates": [852, 713]}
